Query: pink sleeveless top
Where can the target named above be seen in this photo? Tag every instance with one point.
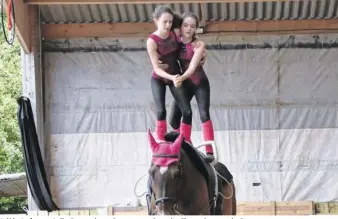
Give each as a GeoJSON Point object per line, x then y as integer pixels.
{"type": "Point", "coordinates": [168, 50]}
{"type": "Point", "coordinates": [185, 55]}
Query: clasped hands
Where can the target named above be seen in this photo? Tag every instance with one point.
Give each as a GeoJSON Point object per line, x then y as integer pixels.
{"type": "Point", "coordinates": [177, 80]}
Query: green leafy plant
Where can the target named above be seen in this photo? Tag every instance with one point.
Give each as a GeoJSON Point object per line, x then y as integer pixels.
{"type": "Point", "coordinates": [11, 158]}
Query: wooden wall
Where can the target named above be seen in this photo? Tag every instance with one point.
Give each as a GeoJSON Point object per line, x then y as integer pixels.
{"type": "Point", "coordinates": [243, 208]}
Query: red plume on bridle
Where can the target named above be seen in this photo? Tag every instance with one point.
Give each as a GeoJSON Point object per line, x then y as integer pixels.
{"type": "Point", "coordinates": [165, 153]}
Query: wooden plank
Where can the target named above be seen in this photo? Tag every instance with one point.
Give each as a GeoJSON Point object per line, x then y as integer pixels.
{"type": "Point", "coordinates": [54, 31]}
{"type": "Point", "coordinates": [130, 211]}
{"type": "Point", "coordinates": [295, 208]}
{"type": "Point", "coordinates": [110, 210]}
{"type": "Point", "coordinates": [42, 213]}
{"type": "Point", "coordinates": [333, 207]}
{"type": "Point", "coordinates": [23, 25]}
{"type": "Point", "coordinates": [326, 207]}
{"type": "Point", "coordinates": [93, 212]}
{"type": "Point", "coordinates": [33, 213]}
{"type": "Point", "coordinates": [77, 2]}
{"type": "Point", "coordinates": [64, 212]}
{"type": "Point", "coordinates": [143, 29]}
{"type": "Point", "coordinates": [243, 208]}
{"type": "Point", "coordinates": [84, 212]}
{"type": "Point", "coordinates": [326, 214]}
{"type": "Point", "coordinates": [54, 213]}
{"type": "Point", "coordinates": [273, 26]}
{"type": "Point", "coordinates": [74, 212]}
{"type": "Point", "coordinates": [322, 208]}
{"type": "Point", "coordinates": [256, 208]}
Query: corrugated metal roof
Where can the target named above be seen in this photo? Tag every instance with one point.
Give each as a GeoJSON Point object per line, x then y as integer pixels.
{"type": "Point", "coordinates": [309, 9]}
{"type": "Point", "coordinates": [13, 185]}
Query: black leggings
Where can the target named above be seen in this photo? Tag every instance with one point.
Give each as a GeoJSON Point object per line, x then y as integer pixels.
{"type": "Point", "coordinates": [158, 88]}
{"type": "Point", "coordinates": [202, 94]}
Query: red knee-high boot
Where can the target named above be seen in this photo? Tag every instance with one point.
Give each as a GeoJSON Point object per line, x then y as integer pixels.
{"type": "Point", "coordinates": [208, 134]}
{"type": "Point", "coordinates": [186, 130]}
{"type": "Point", "coordinates": [161, 129]}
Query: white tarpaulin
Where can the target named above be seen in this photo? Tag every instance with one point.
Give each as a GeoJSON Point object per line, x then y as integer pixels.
{"type": "Point", "coordinates": [273, 105]}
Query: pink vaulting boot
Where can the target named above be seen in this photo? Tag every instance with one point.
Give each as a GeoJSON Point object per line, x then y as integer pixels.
{"type": "Point", "coordinates": [208, 135]}
{"type": "Point", "coordinates": [186, 130]}
{"type": "Point", "coordinates": [161, 129]}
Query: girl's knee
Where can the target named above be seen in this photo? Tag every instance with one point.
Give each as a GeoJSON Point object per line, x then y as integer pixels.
{"type": "Point", "coordinates": [187, 116]}
{"type": "Point", "coordinates": [187, 113]}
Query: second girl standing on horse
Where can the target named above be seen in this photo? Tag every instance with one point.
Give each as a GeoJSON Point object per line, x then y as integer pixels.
{"type": "Point", "coordinates": [163, 45]}
{"type": "Point", "coordinates": [197, 81]}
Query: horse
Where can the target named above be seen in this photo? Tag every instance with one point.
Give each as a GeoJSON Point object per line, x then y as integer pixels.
{"type": "Point", "coordinates": [181, 182]}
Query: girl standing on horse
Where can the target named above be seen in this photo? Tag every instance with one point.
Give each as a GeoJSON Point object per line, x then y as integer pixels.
{"type": "Point", "coordinates": [197, 84]}
{"type": "Point", "coordinates": [163, 46]}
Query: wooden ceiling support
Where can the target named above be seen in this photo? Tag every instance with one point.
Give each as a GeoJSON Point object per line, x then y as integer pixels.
{"type": "Point", "coordinates": [24, 16]}
{"type": "Point", "coordinates": [55, 31]}
{"type": "Point", "coordinates": [69, 2]}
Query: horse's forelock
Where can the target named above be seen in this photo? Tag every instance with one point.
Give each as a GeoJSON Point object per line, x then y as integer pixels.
{"type": "Point", "coordinates": [171, 136]}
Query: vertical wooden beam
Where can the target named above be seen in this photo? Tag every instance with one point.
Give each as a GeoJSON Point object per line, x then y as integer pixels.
{"type": "Point", "coordinates": [33, 84]}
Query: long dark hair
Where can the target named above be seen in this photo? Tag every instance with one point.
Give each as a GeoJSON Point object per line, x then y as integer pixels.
{"type": "Point", "coordinates": [177, 21]}
{"type": "Point", "coordinates": [194, 16]}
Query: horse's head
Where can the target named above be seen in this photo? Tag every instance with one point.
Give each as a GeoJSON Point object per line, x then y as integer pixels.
{"type": "Point", "coordinates": [166, 172]}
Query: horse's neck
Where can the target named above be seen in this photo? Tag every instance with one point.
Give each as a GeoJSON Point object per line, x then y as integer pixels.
{"type": "Point", "coordinates": [189, 169]}
{"type": "Point", "coordinates": [194, 188]}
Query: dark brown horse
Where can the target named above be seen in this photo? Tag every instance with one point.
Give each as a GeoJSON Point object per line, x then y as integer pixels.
{"type": "Point", "coordinates": [181, 182]}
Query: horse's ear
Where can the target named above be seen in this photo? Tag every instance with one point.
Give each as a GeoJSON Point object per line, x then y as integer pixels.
{"type": "Point", "coordinates": [152, 141]}
{"type": "Point", "coordinates": [176, 146]}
